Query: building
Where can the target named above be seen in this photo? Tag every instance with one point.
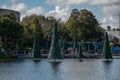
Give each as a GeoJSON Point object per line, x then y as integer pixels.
{"type": "Point", "coordinates": [114, 36]}
{"type": "Point", "coordinates": [16, 13]}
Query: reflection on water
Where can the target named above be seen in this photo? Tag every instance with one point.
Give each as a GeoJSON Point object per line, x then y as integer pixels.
{"type": "Point", "coordinates": [56, 71]}
{"type": "Point", "coordinates": [69, 69]}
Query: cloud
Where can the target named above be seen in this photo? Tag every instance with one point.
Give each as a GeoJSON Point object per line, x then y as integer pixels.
{"type": "Point", "coordinates": [111, 21]}
{"type": "Point", "coordinates": [37, 10]}
{"type": "Point", "coordinates": [62, 13]}
{"type": "Point", "coordinates": [113, 10]}
{"type": "Point", "coordinates": [23, 8]}
{"type": "Point", "coordinates": [82, 2]}
{"type": "Point", "coordinates": [111, 16]}
{"type": "Point", "coordinates": [19, 7]}
{"type": "Point", "coordinates": [104, 2]}
{"type": "Point", "coordinates": [65, 2]}
{"type": "Point", "coordinates": [4, 6]}
{"type": "Point", "coordinates": [110, 9]}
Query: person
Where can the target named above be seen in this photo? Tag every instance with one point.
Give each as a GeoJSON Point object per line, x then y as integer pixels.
{"type": "Point", "coordinates": [95, 51]}
{"type": "Point", "coordinates": [111, 44]}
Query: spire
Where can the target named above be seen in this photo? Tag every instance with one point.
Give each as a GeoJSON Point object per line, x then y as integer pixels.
{"type": "Point", "coordinates": [106, 54]}
{"type": "Point", "coordinates": [36, 48]}
{"type": "Point", "coordinates": [55, 49]}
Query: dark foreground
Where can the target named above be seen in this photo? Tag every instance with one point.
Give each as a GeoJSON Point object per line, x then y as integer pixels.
{"type": "Point", "coordinates": [69, 69]}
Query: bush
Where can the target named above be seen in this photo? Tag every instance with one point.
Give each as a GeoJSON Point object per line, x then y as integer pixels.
{"type": "Point", "coordinates": [5, 55]}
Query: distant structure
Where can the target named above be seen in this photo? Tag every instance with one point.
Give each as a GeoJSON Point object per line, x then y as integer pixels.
{"type": "Point", "coordinates": [114, 35]}
{"type": "Point", "coordinates": [16, 13]}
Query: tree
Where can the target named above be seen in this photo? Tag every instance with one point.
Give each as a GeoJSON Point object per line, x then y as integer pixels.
{"type": "Point", "coordinates": [114, 29]}
{"type": "Point", "coordinates": [32, 26]}
{"type": "Point", "coordinates": [108, 28]}
{"type": "Point", "coordinates": [9, 15]}
{"type": "Point", "coordinates": [83, 24]}
{"type": "Point", "coordinates": [10, 31]}
{"type": "Point", "coordinates": [44, 29]}
{"type": "Point", "coordinates": [73, 25]}
{"type": "Point", "coordinates": [89, 25]}
{"type": "Point", "coordinates": [99, 32]}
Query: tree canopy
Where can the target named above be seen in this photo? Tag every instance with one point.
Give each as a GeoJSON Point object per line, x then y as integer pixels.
{"type": "Point", "coordinates": [10, 30]}
{"type": "Point", "coordinates": [84, 24]}
{"type": "Point", "coordinates": [81, 24]}
{"type": "Point", "coordinates": [42, 26]}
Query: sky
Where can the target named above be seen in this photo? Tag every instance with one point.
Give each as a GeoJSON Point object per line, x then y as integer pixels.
{"type": "Point", "coordinates": [106, 11]}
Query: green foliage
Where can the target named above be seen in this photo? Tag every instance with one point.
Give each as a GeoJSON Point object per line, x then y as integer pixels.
{"type": "Point", "coordinates": [10, 31]}
{"type": "Point", "coordinates": [84, 25]}
{"type": "Point", "coordinates": [108, 28]}
{"type": "Point", "coordinates": [73, 22]}
{"type": "Point", "coordinates": [5, 55]}
{"type": "Point", "coordinates": [32, 26]}
{"type": "Point", "coordinates": [9, 15]}
{"type": "Point", "coordinates": [42, 26]}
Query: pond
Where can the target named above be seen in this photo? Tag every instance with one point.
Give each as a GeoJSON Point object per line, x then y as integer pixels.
{"type": "Point", "coordinates": [68, 69]}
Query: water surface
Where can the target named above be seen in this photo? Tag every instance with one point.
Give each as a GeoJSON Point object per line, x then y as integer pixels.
{"type": "Point", "coordinates": [69, 69]}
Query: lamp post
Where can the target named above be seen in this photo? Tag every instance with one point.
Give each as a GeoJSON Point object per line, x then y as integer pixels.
{"type": "Point", "coordinates": [119, 23]}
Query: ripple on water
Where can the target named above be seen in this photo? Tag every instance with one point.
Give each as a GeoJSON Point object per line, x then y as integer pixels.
{"type": "Point", "coordinates": [69, 69]}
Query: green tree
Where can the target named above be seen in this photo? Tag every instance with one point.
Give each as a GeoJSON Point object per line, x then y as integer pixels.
{"type": "Point", "coordinates": [108, 28]}
{"type": "Point", "coordinates": [10, 31]}
{"type": "Point", "coordinates": [84, 25]}
{"type": "Point", "coordinates": [73, 24]}
{"type": "Point", "coordinates": [43, 26]}
{"type": "Point", "coordinates": [32, 25]}
{"type": "Point", "coordinates": [9, 15]}
{"type": "Point", "coordinates": [114, 29]}
{"type": "Point", "coordinates": [89, 25]}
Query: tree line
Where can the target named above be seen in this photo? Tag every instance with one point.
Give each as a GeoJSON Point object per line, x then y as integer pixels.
{"type": "Point", "coordinates": [81, 23]}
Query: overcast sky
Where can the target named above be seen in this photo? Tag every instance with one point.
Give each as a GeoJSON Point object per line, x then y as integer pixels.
{"type": "Point", "coordinates": [106, 11]}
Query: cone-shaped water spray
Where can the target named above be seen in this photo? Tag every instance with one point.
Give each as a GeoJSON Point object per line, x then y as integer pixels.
{"type": "Point", "coordinates": [54, 52]}
{"type": "Point", "coordinates": [106, 54]}
{"type": "Point", "coordinates": [36, 48]}
{"type": "Point", "coordinates": [80, 53]}
{"type": "Point", "coordinates": [75, 42]}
